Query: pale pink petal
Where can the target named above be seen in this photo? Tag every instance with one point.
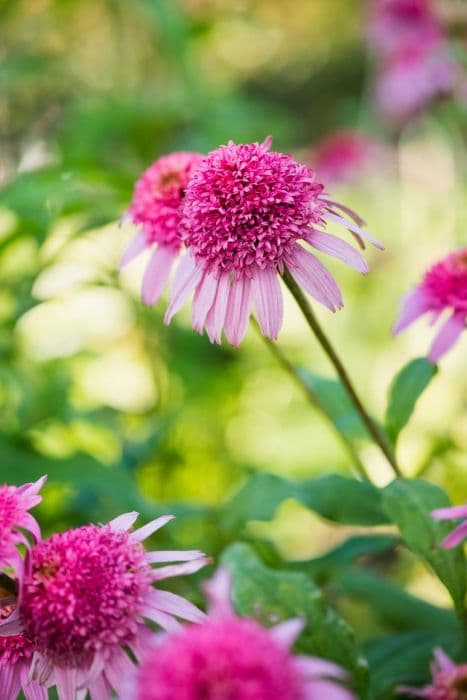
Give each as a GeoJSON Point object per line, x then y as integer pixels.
{"type": "Point", "coordinates": [10, 682]}
{"type": "Point", "coordinates": [351, 226]}
{"type": "Point", "coordinates": [136, 246]}
{"type": "Point", "coordinates": [41, 669]}
{"type": "Point", "coordinates": [100, 689]}
{"type": "Point", "coordinates": [174, 604]}
{"type": "Point", "coordinates": [124, 522]}
{"type": "Point", "coordinates": [320, 690]}
{"type": "Point", "coordinates": [442, 660]}
{"type": "Point", "coordinates": [165, 621]}
{"type": "Point", "coordinates": [32, 690]}
{"type": "Point", "coordinates": [187, 276]}
{"type": "Point", "coordinates": [347, 210]}
{"type": "Point", "coordinates": [415, 304]}
{"type": "Point", "coordinates": [458, 535]}
{"type": "Point", "coordinates": [190, 567]}
{"type": "Point", "coordinates": [450, 513]}
{"type": "Point", "coordinates": [117, 669]}
{"type": "Point", "coordinates": [238, 310]}
{"type": "Point", "coordinates": [203, 300]}
{"type": "Point", "coordinates": [316, 668]}
{"type": "Point", "coordinates": [33, 488]}
{"type": "Point", "coordinates": [216, 316]}
{"type": "Point", "coordinates": [218, 591]}
{"type": "Point", "coordinates": [160, 557]}
{"type": "Point", "coordinates": [141, 533]}
{"type": "Point", "coordinates": [66, 680]}
{"type": "Point", "coordinates": [447, 336]}
{"type": "Point", "coordinates": [286, 633]}
{"type": "Point", "coordinates": [332, 245]}
{"type": "Point", "coordinates": [267, 295]}
{"type": "Point", "coordinates": [315, 279]}
{"type": "Point", "coordinates": [31, 525]}
{"type": "Point", "coordinates": [157, 273]}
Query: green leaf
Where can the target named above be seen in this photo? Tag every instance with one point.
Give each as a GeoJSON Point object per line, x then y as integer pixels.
{"type": "Point", "coordinates": [273, 596]}
{"type": "Point", "coordinates": [409, 503]}
{"type": "Point", "coordinates": [406, 389]}
{"type": "Point", "coordinates": [333, 496]}
{"type": "Point", "coordinates": [335, 401]}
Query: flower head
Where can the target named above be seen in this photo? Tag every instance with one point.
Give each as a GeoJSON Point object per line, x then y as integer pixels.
{"type": "Point", "coordinates": [15, 503]}
{"type": "Point", "coordinates": [443, 288]}
{"type": "Point", "coordinates": [155, 209]}
{"type": "Point", "coordinates": [246, 209]}
{"type": "Point", "coordinates": [449, 680]}
{"type": "Point", "coordinates": [452, 513]}
{"type": "Point", "coordinates": [395, 25]}
{"type": "Point", "coordinates": [344, 155]}
{"type": "Point", "coordinates": [232, 658]}
{"type": "Point", "coordinates": [16, 653]}
{"type": "Point", "coordinates": [84, 596]}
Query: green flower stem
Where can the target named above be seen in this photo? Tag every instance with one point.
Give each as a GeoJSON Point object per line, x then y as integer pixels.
{"type": "Point", "coordinates": [325, 343]}
{"type": "Point", "coordinates": [314, 400]}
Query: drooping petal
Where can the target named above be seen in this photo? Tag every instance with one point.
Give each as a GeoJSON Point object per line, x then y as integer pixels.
{"type": "Point", "coordinates": [157, 273]}
{"type": "Point", "coordinates": [315, 279]}
{"type": "Point", "coordinates": [189, 567]}
{"type": "Point", "coordinates": [287, 632]}
{"type": "Point", "coordinates": [218, 590]}
{"type": "Point", "coordinates": [415, 304]}
{"type": "Point", "coordinates": [32, 689]}
{"type": "Point", "coordinates": [174, 604]}
{"type": "Point", "coordinates": [117, 669]}
{"type": "Point", "coordinates": [188, 275]}
{"type": "Point", "coordinates": [450, 513]}
{"type": "Point", "coordinates": [136, 246]}
{"type": "Point", "coordinates": [203, 300]}
{"type": "Point", "coordinates": [100, 689]}
{"type": "Point", "coordinates": [238, 310]}
{"type": "Point", "coordinates": [447, 336]}
{"type": "Point", "coordinates": [332, 245]}
{"type": "Point", "coordinates": [66, 680]}
{"type": "Point", "coordinates": [268, 300]}
{"type": "Point", "coordinates": [354, 228]}
{"type": "Point", "coordinates": [10, 681]}
{"type": "Point", "coordinates": [216, 316]}
{"type": "Point", "coordinates": [458, 535]}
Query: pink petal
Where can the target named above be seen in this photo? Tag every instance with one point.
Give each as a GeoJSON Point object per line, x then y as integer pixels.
{"type": "Point", "coordinates": [414, 305]}
{"type": "Point", "coordinates": [347, 210]}
{"type": "Point", "coordinates": [174, 604]}
{"type": "Point", "coordinates": [446, 337]}
{"type": "Point", "coordinates": [238, 310]}
{"type": "Point", "coordinates": [442, 660]}
{"type": "Point", "coordinates": [331, 245]}
{"type": "Point", "coordinates": [318, 690]}
{"type": "Point", "coordinates": [187, 277]}
{"type": "Point", "coordinates": [218, 590]}
{"type": "Point", "coordinates": [351, 226]}
{"type": "Point", "coordinates": [141, 533]}
{"type": "Point", "coordinates": [157, 273]}
{"type": "Point", "coordinates": [189, 567]}
{"type": "Point", "coordinates": [32, 690]}
{"type": "Point", "coordinates": [124, 522]}
{"type": "Point", "coordinates": [450, 513]}
{"type": "Point", "coordinates": [136, 246]}
{"type": "Point", "coordinates": [100, 689]}
{"type": "Point", "coordinates": [287, 632]}
{"type": "Point", "coordinates": [66, 682]}
{"type": "Point", "coordinates": [117, 669]}
{"type": "Point", "coordinates": [315, 279]}
{"type": "Point", "coordinates": [316, 668]}
{"type": "Point", "coordinates": [456, 536]}
{"type": "Point", "coordinates": [203, 300]}
{"type": "Point", "coordinates": [216, 316]}
{"type": "Point", "coordinates": [10, 683]}
{"type": "Point", "coordinates": [165, 621]}
{"type": "Point", "coordinates": [176, 555]}
{"type": "Point", "coordinates": [267, 295]}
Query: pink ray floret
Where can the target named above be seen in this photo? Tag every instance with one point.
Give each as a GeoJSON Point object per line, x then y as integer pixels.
{"type": "Point", "coordinates": [459, 534]}
{"type": "Point", "coordinates": [397, 24]}
{"type": "Point", "coordinates": [449, 680]}
{"type": "Point", "coordinates": [442, 289]}
{"type": "Point", "coordinates": [232, 657]}
{"type": "Point", "coordinates": [85, 596]}
{"type": "Point", "coordinates": [155, 210]}
{"type": "Point", "coordinates": [247, 213]}
{"type": "Point", "coordinates": [15, 521]}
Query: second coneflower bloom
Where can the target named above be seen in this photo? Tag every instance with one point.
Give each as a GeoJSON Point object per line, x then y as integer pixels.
{"type": "Point", "coordinates": [155, 210]}
{"type": "Point", "coordinates": [249, 213]}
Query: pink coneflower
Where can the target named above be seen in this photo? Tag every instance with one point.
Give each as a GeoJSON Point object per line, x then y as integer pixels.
{"type": "Point", "coordinates": [16, 655]}
{"type": "Point", "coordinates": [452, 513]}
{"type": "Point", "coordinates": [409, 82]}
{"type": "Point", "coordinates": [246, 209]}
{"type": "Point", "coordinates": [15, 502]}
{"type": "Point", "coordinates": [155, 209]}
{"type": "Point", "coordinates": [449, 680]}
{"type": "Point", "coordinates": [395, 25]}
{"type": "Point", "coordinates": [443, 288]}
{"type": "Point", "coordinates": [343, 156]}
{"type": "Point", "coordinates": [228, 657]}
{"type": "Point", "coordinates": [84, 598]}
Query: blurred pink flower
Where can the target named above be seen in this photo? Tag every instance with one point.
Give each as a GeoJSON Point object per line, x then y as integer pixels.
{"type": "Point", "coordinates": [155, 209]}
{"type": "Point", "coordinates": [449, 680]}
{"type": "Point", "coordinates": [443, 288]}
{"type": "Point", "coordinates": [232, 657]}
{"type": "Point", "coordinates": [16, 655]}
{"type": "Point", "coordinates": [460, 532]}
{"type": "Point", "coordinates": [396, 25]}
{"type": "Point", "coordinates": [15, 503]}
{"type": "Point", "coordinates": [344, 156]}
{"type": "Point", "coordinates": [245, 210]}
{"type": "Point", "coordinates": [84, 598]}
{"type": "Point", "coordinates": [411, 80]}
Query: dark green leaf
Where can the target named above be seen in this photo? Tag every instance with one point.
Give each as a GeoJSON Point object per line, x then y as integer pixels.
{"type": "Point", "coordinates": [406, 389]}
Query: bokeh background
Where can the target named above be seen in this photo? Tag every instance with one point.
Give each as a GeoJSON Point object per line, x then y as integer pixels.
{"type": "Point", "coordinates": [124, 413]}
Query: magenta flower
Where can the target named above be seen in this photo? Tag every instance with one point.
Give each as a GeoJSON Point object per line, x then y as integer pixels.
{"type": "Point", "coordinates": [246, 209]}
{"type": "Point", "coordinates": [155, 209]}
{"type": "Point", "coordinates": [84, 598]}
{"type": "Point", "coordinates": [410, 81]}
{"type": "Point", "coordinates": [343, 156]}
{"type": "Point", "coordinates": [443, 288]}
{"type": "Point", "coordinates": [231, 657]}
{"type": "Point", "coordinates": [460, 532]}
{"type": "Point", "coordinates": [16, 655]}
{"type": "Point", "coordinates": [449, 680]}
{"type": "Point", "coordinates": [15, 502]}
{"type": "Point", "coordinates": [395, 25]}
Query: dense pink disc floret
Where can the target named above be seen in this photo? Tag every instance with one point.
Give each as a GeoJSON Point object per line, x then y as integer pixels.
{"type": "Point", "coordinates": [84, 592]}
{"type": "Point", "coordinates": [15, 503]}
{"type": "Point", "coordinates": [246, 213]}
{"type": "Point", "coordinates": [225, 659]}
{"type": "Point", "coordinates": [449, 681]}
{"type": "Point", "coordinates": [443, 288]}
